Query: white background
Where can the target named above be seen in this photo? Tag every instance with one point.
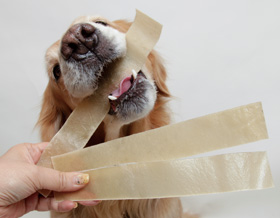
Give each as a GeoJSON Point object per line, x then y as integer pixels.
{"type": "Point", "coordinates": [219, 54]}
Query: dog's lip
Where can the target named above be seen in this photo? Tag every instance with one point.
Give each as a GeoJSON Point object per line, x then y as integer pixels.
{"type": "Point", "coordinates": [121, 94]}
{"type": "Point", "coordinates": [81, 57]}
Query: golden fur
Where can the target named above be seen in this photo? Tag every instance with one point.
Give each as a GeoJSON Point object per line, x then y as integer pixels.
{"type": "Point", "coordinates": [58, 105]}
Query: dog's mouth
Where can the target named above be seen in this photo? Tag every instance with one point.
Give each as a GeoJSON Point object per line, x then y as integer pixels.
{"type": "Point", "coordinates": [130, 87]}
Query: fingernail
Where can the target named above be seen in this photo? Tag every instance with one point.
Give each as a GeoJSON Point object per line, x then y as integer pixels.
{"type": "Point", "coordinates": [76, 205]}
{"type": "Point", "coordinates": [82, 179]}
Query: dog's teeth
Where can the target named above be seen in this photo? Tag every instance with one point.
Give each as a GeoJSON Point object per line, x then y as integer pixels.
{"type": "Point", "coordinates": [113, 98]}
{"type": "Point", "coordinates": [134, 74]}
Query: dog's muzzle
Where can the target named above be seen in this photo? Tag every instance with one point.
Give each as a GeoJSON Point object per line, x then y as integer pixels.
{"type": "Point", "coordinates": [78, 41]}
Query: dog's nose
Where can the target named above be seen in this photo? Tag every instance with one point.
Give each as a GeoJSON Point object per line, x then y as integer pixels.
{"type": "Point", "coordinates": [78, 40]}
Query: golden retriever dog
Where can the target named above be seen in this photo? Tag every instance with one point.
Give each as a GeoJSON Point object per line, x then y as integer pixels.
{"type": "Point", "coordinates": [75, 64]}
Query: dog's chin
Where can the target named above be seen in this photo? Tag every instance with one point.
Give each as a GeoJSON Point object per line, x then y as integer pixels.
{"type": "Point", "coordinates": [133, 109]}
{"type": "Point", "coordinates": [81, 80]}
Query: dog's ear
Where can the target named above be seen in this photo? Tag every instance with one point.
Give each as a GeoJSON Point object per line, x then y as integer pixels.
{"type": "Point", "coordinates": [160, 115]}
{"type": "Point", "coordinates": [54, 113]}
{"type": "Point", "coordinates": [159, 73]}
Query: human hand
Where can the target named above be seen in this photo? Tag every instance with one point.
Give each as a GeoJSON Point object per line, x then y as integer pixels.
{"type": "Point", "coordinates": [20, 179]}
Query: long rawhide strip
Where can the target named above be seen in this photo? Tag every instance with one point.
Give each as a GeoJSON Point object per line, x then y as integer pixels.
{"type": "Point", "coordinates": [176, 178]}
{"type": "Point", "coordinates": [220, 130]}
{"type": "Point", "coordinates": [148, 165]}
{"type": "Point", "coordinates": [84, 120]}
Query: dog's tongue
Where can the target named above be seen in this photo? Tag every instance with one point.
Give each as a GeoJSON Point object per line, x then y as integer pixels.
{"type": "Point", "coordinates": [124, 86]}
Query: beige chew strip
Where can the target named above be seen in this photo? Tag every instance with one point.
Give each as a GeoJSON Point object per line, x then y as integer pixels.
{"type": "Point", "coordinates": [84, 120]}
{"type": "Point", "coordinates": [77, 130]}
{"type": "Point", "coordinates": [176, 178]}
{"type": "Point", "coordinates": [211, 132]}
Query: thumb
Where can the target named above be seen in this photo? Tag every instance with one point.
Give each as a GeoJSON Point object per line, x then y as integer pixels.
{"type": "Point", "coordinates": [59, 181]}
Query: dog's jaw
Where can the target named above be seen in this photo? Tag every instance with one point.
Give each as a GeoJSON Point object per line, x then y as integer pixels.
{"type": "Point", "coordinates": [136, 101]}
{"type": "Point", "coordinates": [132, 105]}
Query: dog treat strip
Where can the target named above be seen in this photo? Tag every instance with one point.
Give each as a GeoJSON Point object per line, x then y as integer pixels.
{"type": "Point", "coordinates": [177, 178]}
{"type": "Point", "coordinates": [148, 165]}
{"type": "Point", "coordinates": [224, 129]}
{"type": "Point", "coordinates": [85, 119]}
